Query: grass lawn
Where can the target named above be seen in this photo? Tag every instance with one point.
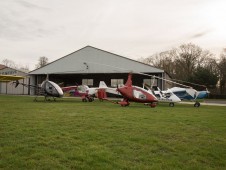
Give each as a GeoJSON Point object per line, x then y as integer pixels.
{"type": "Point", "coordinates": [70, 134]}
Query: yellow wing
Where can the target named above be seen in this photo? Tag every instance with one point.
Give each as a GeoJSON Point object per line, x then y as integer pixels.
{"type": "Point", "coordinates": [7, 78]}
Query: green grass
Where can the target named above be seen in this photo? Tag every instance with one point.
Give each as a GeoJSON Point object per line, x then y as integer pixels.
{"type": "Point", "coordinates": [70, 134]}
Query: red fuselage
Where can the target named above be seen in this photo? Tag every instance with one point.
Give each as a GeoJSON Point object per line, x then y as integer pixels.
{"type": "Point", "coordinates": [137, 94]}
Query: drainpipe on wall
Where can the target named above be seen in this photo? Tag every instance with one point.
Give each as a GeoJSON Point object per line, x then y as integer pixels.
{"type": "Point", "coordinates": [6, 85]}
{"type": "Point", "coordinates": [163, 84]}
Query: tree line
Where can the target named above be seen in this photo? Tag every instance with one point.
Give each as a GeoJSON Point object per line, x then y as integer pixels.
{"type": "Point", "coordinates": [42, 61]}
{"type": "Point", "coordinates": [190, 63]}
{"type": "Point", "coordinates": [187, 63]}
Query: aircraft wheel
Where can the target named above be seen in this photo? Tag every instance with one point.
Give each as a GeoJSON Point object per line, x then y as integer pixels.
{"type": "Point", "coordinates": [90, 99]}
{"type": "Point", "coordinates": [84, 100]}
{"type": "Point", "coordinates": [171, 104]}
{"type": "Point", "coordinates": [152, 105]}
{"type": "Point", "coordinates": [197, 104]}
{"type": "Point", "coordinates": [127, 104]}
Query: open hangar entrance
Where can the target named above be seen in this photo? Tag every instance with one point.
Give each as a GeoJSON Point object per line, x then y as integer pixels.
{"type": "Point", "coordinates": [93, 80]}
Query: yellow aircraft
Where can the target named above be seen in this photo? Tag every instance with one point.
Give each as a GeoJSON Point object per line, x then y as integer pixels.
{"type": "Point", "coordinates": [8, 78]}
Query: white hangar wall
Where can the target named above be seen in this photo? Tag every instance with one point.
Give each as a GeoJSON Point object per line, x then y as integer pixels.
{"type": "Point", "coordinates": [9, 88]}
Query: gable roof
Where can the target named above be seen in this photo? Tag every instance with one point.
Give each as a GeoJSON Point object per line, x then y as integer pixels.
{"type": "Point", "coordinates": [2, 66]}
{"type": "Point", "coordinates": [93, 60]}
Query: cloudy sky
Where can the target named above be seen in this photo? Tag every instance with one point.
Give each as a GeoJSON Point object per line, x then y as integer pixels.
{"type": "Point", "coordinates": [30, 29]}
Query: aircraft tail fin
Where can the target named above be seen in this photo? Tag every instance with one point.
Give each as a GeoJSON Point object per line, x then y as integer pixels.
{"type": "Point", "coordinates": [202, 94]}
{"type": "Point", "coordinates": [102, 85]}
{"type": "Point", "coordinates": [129, 80]}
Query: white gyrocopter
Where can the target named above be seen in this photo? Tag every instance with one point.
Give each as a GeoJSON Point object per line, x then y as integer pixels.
{"type": "Point", "coordinates": [183, 93]}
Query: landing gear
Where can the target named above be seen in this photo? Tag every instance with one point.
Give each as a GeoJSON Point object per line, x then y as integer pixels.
{"type": "Point", "coordinates": [91, 99]}
{"type": "Point", "coordinates": [124, 103]}
{"type": "Point", "coordinates": [197, 104]}
{"type": "Point", "coordinates": [84, 100]}
{"type": "Point", "coordinates": [88, 99]}
{"type": "Point", "coordinates": [153, 105]}
{"type": "Point", "coordinates": [48, 98]}
{"type": "Point", "coordinates": [171, 104]}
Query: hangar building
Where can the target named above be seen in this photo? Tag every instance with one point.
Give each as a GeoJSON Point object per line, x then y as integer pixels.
{"type": "Point", "coordinates": [90, 65]}
{"type": "Point", "coordinates": [7, 87]}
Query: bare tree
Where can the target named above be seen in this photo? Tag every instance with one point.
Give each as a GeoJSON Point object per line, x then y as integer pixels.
{"type": "Point", "coordinates": [187, 62]}
{"type": "Point", "coordinates": [42, 61]}
{"type": "Point", "coordinates": [187, 58]}
{"type": "Point", "coordinates": [163, 60]}
{"type": "Point", "coordinates": [148, 60]}
{"type": "Point", "coordinates": [9, 63]}
{"type": "Point", "coordinates": [24, 68]}
{"type": "Point", "coordinates": [222, 70]}
{"type": "Point", "coordinates": [182, 61]}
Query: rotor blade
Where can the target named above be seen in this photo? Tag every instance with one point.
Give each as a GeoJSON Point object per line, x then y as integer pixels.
{"type": "Point", "coordinates": [190, 83]}
{"type": "Point", "coordinates": [162, 79]}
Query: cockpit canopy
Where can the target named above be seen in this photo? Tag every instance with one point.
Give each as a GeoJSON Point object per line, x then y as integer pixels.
{"type": "Point", "coordinates": [52, 89]}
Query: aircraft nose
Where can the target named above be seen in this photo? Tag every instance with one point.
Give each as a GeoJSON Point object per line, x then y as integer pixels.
{"type": "Point", "coordinates": [154, 98]}
{"type": "Point", "coordinates": [61, 93]}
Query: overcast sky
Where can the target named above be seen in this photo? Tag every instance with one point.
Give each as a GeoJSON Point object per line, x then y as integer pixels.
{"type": "Point", "coordinates": [30, 29]}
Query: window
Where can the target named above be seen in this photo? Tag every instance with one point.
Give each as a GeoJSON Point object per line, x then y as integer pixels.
{"type": "Point", "coordinates": [88, 82]}
{"type": "Point", "coordinates": [116, 82]}
{"type": "Point", "coordinates": [150, 82]}
{"type": "Point", "coordinates": [139, 95]}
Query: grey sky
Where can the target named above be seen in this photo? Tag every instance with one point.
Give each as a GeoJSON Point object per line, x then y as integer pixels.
{"type": "Point", "coordinates": [132, 28]}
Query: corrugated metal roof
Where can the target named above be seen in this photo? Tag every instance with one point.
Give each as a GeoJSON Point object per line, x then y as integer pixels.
{"type": "Point", "coordinates": [93, 60]}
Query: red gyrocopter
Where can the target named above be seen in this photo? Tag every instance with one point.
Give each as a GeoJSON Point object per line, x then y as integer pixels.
{"type": "Point", "coordinates": [135, 94]}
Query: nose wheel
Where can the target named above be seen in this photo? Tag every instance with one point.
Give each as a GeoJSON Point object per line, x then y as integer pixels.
{"type": "Point", "coordinates": [153, 105]}
{"type": "Point", "coordinates": [124, 103]}
{"type": "Point", "coordinates": [197, 104]}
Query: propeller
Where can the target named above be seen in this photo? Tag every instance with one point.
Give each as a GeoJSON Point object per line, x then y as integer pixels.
{"type": "Point", "coordinates": [16, 83]}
